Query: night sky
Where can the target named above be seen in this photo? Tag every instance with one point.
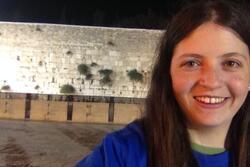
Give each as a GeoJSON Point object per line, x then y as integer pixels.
{"type": "Point", "coordinates": [150, 14]}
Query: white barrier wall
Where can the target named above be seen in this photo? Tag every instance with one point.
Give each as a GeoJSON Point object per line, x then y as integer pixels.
{"type": "Point", "coordinates": [40, 58]}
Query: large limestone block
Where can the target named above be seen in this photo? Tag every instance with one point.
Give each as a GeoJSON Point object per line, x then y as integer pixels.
{"type": "Point", "coordinates": [48, 110]}
{"type": "Point", "coordinates": [12, 108]}
{"type": "Point", "coordinates": [39, 110]}
{"type": "Point", "coordinates": [57, 111]}
{"type": "Point", "coordinates": [90, 112]}
{"type": "Point", "coordinates": [125, 113]}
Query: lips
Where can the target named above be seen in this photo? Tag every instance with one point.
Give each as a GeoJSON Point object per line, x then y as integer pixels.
{"type": "Point", "coordinates": [210, 99]}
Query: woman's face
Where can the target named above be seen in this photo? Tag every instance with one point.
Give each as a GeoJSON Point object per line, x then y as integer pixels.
{"type": "Point", "coordinates": [210, 73]}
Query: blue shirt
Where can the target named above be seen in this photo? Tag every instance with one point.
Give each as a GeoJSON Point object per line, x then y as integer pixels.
{"type": "Point", "coordinates": [127, 148]}
{"type": "Point", "coordinates": [218, 160]}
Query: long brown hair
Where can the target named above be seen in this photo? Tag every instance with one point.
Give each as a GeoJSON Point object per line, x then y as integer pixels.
{"type": "Point", "coordinates": [167, 138]}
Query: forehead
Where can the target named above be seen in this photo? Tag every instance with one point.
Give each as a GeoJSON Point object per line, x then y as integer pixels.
{"type": "Point", "coordinates": [211, 39]}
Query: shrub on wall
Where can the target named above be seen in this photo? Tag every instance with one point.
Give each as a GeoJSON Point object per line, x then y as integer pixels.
{"type": "Point", "coordinates": [69, 52]}
{"type": "Point", "coordinates": [5, 87]}
{"type": "Point", "coordinates": [67, 88]}
{"type": "Point", "coordinates": [83, 69]}
{"type": "Point", "coordinates": [38, 28]}
{"type": "Point", "coordinates": [40, 63]}
{"type": "Point", "coordinates": [89, 76]}
{"type": "Point", "coordinates": [111, 43]}
{"type": "Point", "coordinates": [106, 77]}
{"type": "Point", "coordinates": [134, 75]}
{"type": "Point", "coordinates": [106, 80]}
{"type": "Point", "coordinates": [105, 72]}
{"type": "Point", "coordinates": [93, 64]}
{"type": "Point", "coordinates": [37, 87]}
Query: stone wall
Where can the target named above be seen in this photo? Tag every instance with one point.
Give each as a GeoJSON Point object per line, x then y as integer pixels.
{"type": "Point", "coordinates": [42, 108]}
{"type": "Point", "coordinates": [40, 58]}
{"type": "Point", "coordinates": [12, 108]}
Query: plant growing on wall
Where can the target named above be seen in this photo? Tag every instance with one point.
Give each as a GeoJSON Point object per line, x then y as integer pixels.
{"type": "Point", "coordinates": [40, 63]}
{"type": "Point", "coordinates": [67, 89]}
{"type": "Point", "coordinates": [106, 80]}
{"type": "Point", "coordinates": [93, 64]}
{"type": "Point", "coordinates": [5, 87]}
{"type": "Point", "coordinates": [106, 77]}
{"type": "Point", "coordinates": [38, 28]}
{"type": "Point", "coordinates": [105, 72]}
{"type": "Point", "coordinates": [37, 87]}
{"type": "Point", "coordinates": [89, 76]}
{"type": "Point", "coordinates": [69, 52]}
{"type": "Point", "coordinates": [135, 76]}
{"type": "Point", "coordinates": [83, 69]}
{"type": "Point", "coordinates": [111, 43]}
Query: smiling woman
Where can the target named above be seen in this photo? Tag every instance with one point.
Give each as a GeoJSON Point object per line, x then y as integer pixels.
{"type": "Point", "coordinates": [197, 109]}
{"type": "Point", "coordinates": [211, 83]}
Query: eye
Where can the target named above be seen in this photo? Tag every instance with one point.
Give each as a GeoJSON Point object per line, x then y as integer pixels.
{"type": "Point", "coordinates": [232, 64]}
{"type": "Point", "coordinates": [191, 64]}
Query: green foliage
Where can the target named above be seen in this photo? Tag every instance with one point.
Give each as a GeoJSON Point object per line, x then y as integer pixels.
{"type": "Point", "coordinates": [134, 75]}
{"type": "Point", "coordinates": [37, 87]}
{"type": "Point", "coordinates": [93, 64]}
{"type": "Point", "coordinates": [38, 28]}
{"type": "Point", "coordinates": [40, 63]}
{"type": "Point", "coordinates": [105, 72]}
{"type": "Point", "coordinates": [69, 52]}
{"type": "Point", "coordinates": [89, 76]}
{"type": "Point", "coordinates": [83, 69]}
{"type": "Point", "coordinates": [106, 80]}
{"type": "Point", "coordinates": [67, 88]}
{"type": "Point", "coordinates": [5, 87]}
{"type": "Point", "coordinates": [111, 43]}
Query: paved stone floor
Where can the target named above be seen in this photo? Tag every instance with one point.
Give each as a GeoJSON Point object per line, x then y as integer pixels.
{"type": "Point", "coordinates": [50, 144]}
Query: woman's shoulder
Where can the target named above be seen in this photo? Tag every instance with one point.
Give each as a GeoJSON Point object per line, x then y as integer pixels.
{"type": "Point", "coordinates": [129, 140]}
{"type": "Point", "coordinates": [124, 147]}
{"type": "Point", "coordinates": [131, 133]}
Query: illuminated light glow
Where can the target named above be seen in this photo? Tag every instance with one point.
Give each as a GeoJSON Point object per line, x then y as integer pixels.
{"type": "Point", "coordinates": [8, 68]}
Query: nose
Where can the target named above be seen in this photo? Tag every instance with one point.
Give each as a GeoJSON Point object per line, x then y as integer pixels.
{"type": "Point", "coordinates": [210, 77]}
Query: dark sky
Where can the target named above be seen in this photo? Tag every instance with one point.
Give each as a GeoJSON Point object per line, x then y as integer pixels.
{"type": "Point", "coordinates": [150, 14]}
{"type": "Point", "coordinates": [118, 13]}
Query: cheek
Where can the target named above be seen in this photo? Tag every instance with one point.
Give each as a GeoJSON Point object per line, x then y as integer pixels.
{"type": "Point", "coordinates": [238, 85]}
{"type": "Point", "coordinates": [181, 84]}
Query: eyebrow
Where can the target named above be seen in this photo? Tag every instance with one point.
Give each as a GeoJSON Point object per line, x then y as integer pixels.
{"type": "Point", "coordinates": [230, 54]}
{"type": "Point", "coordinates": [196, 55]}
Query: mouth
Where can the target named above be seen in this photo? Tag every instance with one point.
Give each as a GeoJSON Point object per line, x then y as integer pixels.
{"type": "Point", "coordinates": [210, 99]}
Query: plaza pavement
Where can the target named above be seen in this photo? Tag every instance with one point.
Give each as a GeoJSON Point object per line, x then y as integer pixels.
{"type": "Point", "coordinates": [48, 144]}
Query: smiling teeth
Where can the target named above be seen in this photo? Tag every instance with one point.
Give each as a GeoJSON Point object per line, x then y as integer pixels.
{"type": "Point", "coordinates": [210, 100]}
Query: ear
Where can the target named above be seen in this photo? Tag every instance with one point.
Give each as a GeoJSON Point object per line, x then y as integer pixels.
{"type": "Point", "coordinates": [248, 88]}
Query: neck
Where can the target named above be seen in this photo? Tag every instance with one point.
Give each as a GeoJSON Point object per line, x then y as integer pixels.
{"type": "Point", "coordinates": [210, 137]}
